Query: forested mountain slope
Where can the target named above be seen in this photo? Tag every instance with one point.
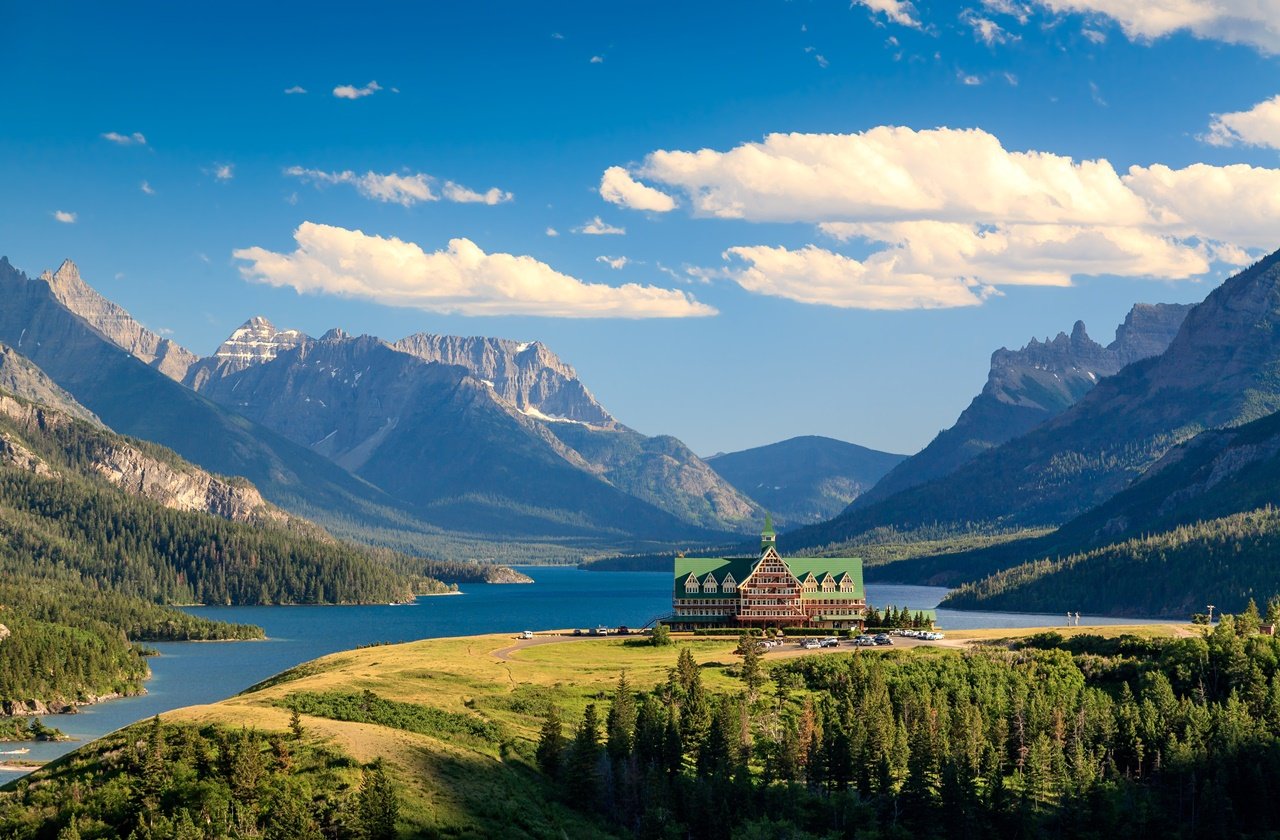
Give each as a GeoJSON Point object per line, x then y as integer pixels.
{"type": "Point", "coordinates": [1220, 370]}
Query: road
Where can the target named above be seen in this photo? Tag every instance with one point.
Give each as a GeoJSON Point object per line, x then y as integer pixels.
{"type": "Point", "coordinates": [787, 650]}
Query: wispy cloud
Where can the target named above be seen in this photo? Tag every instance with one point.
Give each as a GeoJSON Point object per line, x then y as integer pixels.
{"type": "Point", "coordinates": [296, 89]}
{"type": "Point", "coordinates": [462, 278]}
{"type": "Point", "coordinates": [900, 12]}
{"type": "Point", "coordinates": [464, 195]}
{"type": "Point", "coordinates": [1254, 23]}
{"type": "Point", "coordinates": [405, 189]}
{"type": "Point", "coordinates": [353, 92]}
{"type": "Point", "coordinates": [616, 263]}
{"type": "Point", "coordinates": [597, 59]}
{"type": "Point", "coordinates": [224, 171]}
{"type": "Point", "coordinates": [147, 188]}
{"type": "Point", "coordinates": [599, 227]}
{"type": "Point", "coordinates": [134, 139]}
{"type": "Point", "coordinates": [985, 29]}
{"type": "Point", "coordinates": [552, 231]}
{"type": "Point", "coordinates": [65, 217]}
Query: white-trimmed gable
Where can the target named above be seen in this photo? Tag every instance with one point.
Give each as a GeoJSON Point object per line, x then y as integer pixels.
{"type": "Point", "coordinates": [691, 584]}
{"type": "Point", "coordinates": [709, 583]}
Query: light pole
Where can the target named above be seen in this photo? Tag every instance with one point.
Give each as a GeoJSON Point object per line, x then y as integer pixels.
{"type": "Point", "coordinates": [1210, 606]}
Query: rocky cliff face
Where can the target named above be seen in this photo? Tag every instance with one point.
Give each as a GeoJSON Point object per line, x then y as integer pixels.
{"type": "Point", "coordinates": [1029, 386]}
{"type": "Point", "coordinates": [253, 342]}
{"type": "Point", "coordinates": [164, 479]}
{"type": "Point", "coordinates": [117, 325]}
{"type": "Point", "coordinates": [20, 377]}
{"type": "Point", "coordinates": [526, 375]}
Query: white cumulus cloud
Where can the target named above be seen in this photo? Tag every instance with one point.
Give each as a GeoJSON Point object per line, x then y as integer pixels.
{"type": "Point", "coordinates": [599, 227]}
{"type": "Point", "coordinates": [134, 139]}
{"type": "Point", "coordinates": [353, 92]}
{"type": "Point", "coordinates": [816, 275]}
{"type": "Point", "coordinates": [64, 216]}
{"type": "Point", "coordinates": [618, 187]}
{"type": "Point", "coordinates": [955, 206]}
{"type": "Point", "coordinates": [1255, 23]}
{"type": "Point", "coordinates": [296, 89]}
{"type": "Point", "coordinates": [224, 171]}
{"type": "Point", "coordinates": [616, 263]}
{"type": "Point", "coordinates": [1258, 126]}
{"type": "Point", "coordinates": [462, 278]}
{"type": "Point", "coordinates": [985, 29]}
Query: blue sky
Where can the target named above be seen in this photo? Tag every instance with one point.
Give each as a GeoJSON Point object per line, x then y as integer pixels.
{"type": "Point", "coordinates": [945, 179]}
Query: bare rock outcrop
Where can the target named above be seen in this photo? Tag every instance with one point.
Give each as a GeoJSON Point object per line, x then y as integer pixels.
{"type": "Point", "coordinates": [117, 325]}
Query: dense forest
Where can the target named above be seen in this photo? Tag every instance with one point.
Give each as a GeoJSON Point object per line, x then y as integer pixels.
{"type": "Point", "coordinates": [1086, 737]}
{"type": "Point", "coordinates": [157, 781]}
{"type": "Point", "coordinates": [1223, 561]}
{"type": "Point", "coordinates": [68, 643]}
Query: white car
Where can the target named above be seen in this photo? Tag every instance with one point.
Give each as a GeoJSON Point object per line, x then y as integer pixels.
{"type": "Point", "coordinates": [527, 634]}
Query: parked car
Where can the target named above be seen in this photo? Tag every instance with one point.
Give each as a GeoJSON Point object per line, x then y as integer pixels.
{"type": "Point", "coordinates": [623, 630]}
{"type": "Point", "coordinates": [883, 639]}
{"type": "Point", "coordinates": [810, 644]}
{"type": "Point", "coordinates": [830, 641]}
{"type": "Point", "coordinates": [580, 632]}
{"type": "Point", "coordinates": [527, 634]}
{"type": "Point", "coordinates": [864, 640]}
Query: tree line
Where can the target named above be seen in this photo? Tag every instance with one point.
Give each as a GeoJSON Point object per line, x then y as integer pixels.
{"type": "Point", "coordinates": [1081, 737]}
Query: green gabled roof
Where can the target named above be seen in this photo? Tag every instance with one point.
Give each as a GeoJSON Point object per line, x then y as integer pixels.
{"type": "Point", "coordinates": [740, 567]}
{"type": "Point", "coordinates": [837, 567]}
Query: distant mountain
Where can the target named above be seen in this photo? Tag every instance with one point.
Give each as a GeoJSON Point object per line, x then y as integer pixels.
{"type": "Point", "coordinates": [20, 377]}
{"type": "Point", "coordinates": [138, 399]}
{"type": "Point", "coordinates": [527, 375]}
{"type": "Point", "coordinates": [805, 479]}
{"type": "Point", "coordinates": [256, 341]}
{"type": "Point", "coordinates": [1220, 370]}
{"type": "Point", "coordinates": [1030, 386]}
{"type": "Point", "coordinates": [486, 435]}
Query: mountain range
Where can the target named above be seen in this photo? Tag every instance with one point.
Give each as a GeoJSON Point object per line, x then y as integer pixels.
{"type": "Point", "coordinates": [411, 443]}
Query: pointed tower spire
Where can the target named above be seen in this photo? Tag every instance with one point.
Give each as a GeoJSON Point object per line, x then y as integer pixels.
{"type": "Point", "coordinates": [768, 539]}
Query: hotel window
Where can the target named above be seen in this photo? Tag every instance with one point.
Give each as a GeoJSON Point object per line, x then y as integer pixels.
{"type": "Point", "coordinates": [846, 584]}
{"type": "Point", "coordinates": [730, 585]}
{"type": "Point", "coordinates": [828, 583]}
{"type": "Point", "coordinates": [810, 583]}
{"type": "Point", "coordinates": [709, 584]}
{"type": "Point", "coordinates": [691, 583]}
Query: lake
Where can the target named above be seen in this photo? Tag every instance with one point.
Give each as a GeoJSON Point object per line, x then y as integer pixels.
{"type": "Point", "coordinates": [190, 673]}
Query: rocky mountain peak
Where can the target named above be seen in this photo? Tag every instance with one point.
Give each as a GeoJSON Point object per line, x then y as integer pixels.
{"type": "Point", "coordinates": [526, 375]}
{"type": "Point", "coordinates": [115, 324]}
{"type": "Point", "coordinates": [335, 334]}
{"type": "Point", "coordinates": [254, 342]}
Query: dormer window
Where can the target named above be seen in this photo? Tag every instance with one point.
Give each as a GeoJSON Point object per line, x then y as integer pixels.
{"type": "Point", "coordinates": [810, 583]}
{"type": "Point", "coordinates": [846, 583]}
{"type": "Point", "coordinates": [709, 584]}
{"type": "Point", "coordinates": [828, 583]}
{"type": "Point", "coordinates": [729, 584]}
{"type": "Point", "coordinates": [691, 584]}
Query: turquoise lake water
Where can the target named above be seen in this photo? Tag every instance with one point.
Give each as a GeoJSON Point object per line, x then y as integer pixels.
{"type": "Point", "coordinates": [189, 673]}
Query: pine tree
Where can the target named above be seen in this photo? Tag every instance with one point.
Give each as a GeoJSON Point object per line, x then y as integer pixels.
{"type": "Point", "coordinates": [295, 724]}
{"type": "Point", "coordinates": [620, 723]}
{"type": "Point", "coordinates": [550, 751]}
{"type": "Point", "coordinates": [379, 805]}
{"type": "Point", "coordinates": [582, 769]}
{"type": "Point", "coordinates": [752, 674]}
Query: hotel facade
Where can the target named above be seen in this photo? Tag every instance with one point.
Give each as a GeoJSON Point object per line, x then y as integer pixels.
{"type": "Point", "coordinates": [768, 590]}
